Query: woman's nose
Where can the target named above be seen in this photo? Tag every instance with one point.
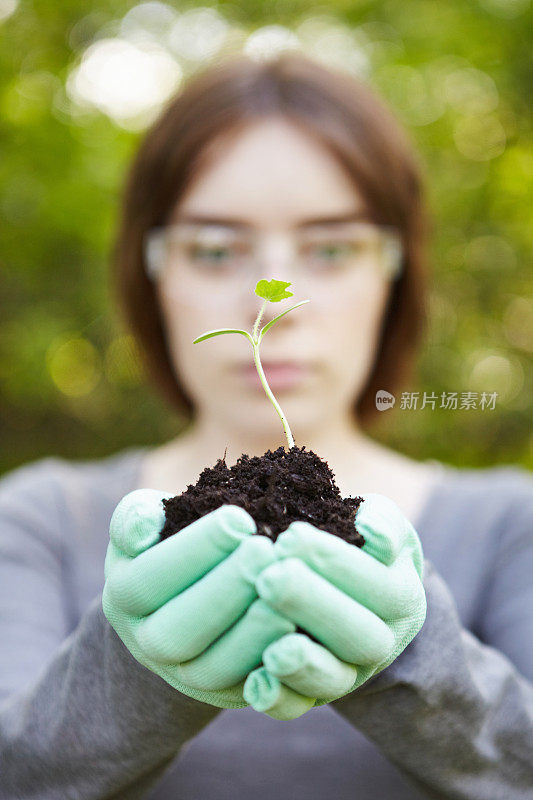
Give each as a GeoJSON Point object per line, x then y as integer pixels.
{"type": "Point", "coordinates": [275, 256]}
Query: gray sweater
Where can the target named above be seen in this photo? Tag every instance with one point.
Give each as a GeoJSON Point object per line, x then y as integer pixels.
{"type": "Point", "coordinates": [451, 717]}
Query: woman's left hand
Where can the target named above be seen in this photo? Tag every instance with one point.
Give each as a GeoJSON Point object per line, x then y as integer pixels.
{"type": "Point", "coordinates": [363, 604]}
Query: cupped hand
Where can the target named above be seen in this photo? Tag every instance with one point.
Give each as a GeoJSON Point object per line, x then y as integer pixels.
{"type": "Point", "coordinates": [363, 605]}
{"type": "Point", "coordinates": [187, 607]}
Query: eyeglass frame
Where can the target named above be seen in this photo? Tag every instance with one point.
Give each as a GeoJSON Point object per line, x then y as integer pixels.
{"type": "Point", "coordinates": [153, 244]}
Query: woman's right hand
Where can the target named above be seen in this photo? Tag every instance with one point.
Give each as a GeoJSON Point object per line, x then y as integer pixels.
{"type": "Point", "coordinates": [186, 607]}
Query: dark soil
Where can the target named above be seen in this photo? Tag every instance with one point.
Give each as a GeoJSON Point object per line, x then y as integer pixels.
{"type": "Point", "coordinates": [276, 489]}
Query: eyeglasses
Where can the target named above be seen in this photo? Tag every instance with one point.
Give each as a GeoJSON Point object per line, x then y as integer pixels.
{"type": "Point", "coordinates": [207, 264]}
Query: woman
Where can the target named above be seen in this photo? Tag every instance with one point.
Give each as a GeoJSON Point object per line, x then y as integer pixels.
{"type": "Point", "coordinates": [282, 169]}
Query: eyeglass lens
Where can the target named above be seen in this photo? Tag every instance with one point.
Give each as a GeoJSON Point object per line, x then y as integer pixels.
{"type": "Point", "coordinates": [208, 264]}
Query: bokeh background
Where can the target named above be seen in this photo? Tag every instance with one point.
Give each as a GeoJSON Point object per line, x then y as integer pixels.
{"type": "Point", "coordinates": [79, 83]}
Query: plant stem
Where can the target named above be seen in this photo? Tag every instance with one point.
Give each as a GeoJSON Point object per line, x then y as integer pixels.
{"type": "Point", "coordinates": [264, 381]}
{"type": "Point", "coordinates": [258, 320]}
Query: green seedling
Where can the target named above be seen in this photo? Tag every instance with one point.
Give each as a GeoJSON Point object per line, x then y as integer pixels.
{"type": "Point", "coordinates": [271, 291]}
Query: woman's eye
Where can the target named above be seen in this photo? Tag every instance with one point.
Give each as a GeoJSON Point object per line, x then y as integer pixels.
{"type": "Point", "coordinates": [329, 252]}
{"type": "Point", "coordinates": [214, 254]}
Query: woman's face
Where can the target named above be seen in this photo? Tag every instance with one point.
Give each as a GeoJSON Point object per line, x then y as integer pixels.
{"type": "Point", "coordinates": [274, 177]}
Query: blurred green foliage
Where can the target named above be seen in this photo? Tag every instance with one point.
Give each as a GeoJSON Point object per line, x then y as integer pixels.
{"type": "Point", "coordinates": [456, 72]}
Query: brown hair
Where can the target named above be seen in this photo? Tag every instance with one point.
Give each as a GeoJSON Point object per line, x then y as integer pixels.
{"type": "Point", "coordinates": [350, 120]}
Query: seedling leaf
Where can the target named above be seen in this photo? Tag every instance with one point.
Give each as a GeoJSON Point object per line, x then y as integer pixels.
{"type": "Point", "coordinates": [272, 321]}
{"type": "Point", "coordinates": [219, 331]}
{"type": "Point", "coordinates": [273, 290]}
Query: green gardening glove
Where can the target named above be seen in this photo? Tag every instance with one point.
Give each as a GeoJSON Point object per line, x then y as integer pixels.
{"type": "Point", "coordinates": [364, 605]}
{"type": "Point", "coordinates": [186, 607]}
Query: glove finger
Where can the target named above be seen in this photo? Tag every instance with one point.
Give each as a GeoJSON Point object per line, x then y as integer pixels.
{"type": "Point", "coordinates": [238, 651]}
{"type": "Point", "coordinates": [268, 694]}
{"type": "Point", "coordinates": [143, 584]}
{"type": "Point", "coordinates": [388, 532]}
{"type": "Point", "coordinates": [387, 591]}
{"type": "Point", "coordinates": [137, 520]}
{"type": "Point", "coordinates": [113, 560]}
{"type": "Point", "coordinates": [182, 628]}
{"type": "Point", "coordinates": [350, 630]}
{"type": "Point", "coordinates": [383, 525]}
{"type": "Point", "coordinates": [221, 698]}
{"type": "Point", "coordinates": [307, 667]}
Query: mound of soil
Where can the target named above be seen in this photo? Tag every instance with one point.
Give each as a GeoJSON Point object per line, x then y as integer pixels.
{"type": "Point", "coordinates": [276, 489]}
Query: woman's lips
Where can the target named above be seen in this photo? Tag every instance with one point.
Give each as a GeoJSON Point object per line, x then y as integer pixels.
{"type": "Point", "coordinates": [280, 375]}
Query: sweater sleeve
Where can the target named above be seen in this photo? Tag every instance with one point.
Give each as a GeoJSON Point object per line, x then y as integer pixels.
{"type": "Point", "coordinates": [80, 717]}
{"type": "Point", "coordinates": [454, 712]}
